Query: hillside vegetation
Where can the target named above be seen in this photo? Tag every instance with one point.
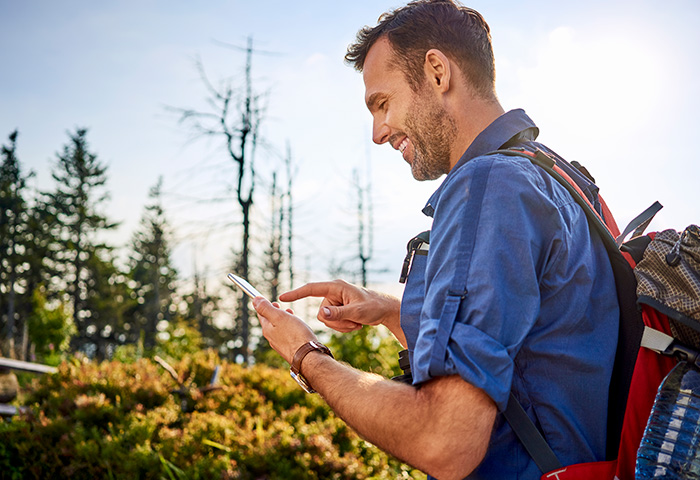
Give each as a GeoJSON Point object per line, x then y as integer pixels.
{"type": "Point", "coordinates": [119, 420]}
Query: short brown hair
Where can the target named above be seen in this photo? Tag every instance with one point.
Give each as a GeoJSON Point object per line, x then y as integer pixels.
{"type": "Point", "coordinates": [459, 32]}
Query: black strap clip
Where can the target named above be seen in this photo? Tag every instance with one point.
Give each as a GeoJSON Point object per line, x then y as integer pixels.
{"type": "Point", "coordinates": [413, 245]}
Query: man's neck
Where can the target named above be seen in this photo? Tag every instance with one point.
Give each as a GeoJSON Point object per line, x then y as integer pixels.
{"type": "Point", "coordinates": [472, 118]}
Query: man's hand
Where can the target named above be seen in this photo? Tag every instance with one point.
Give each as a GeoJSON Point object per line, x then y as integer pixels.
{"type": "Point", "coordinates": [285, 332]}
{"type": "Point", "coordinates": [346, 307]}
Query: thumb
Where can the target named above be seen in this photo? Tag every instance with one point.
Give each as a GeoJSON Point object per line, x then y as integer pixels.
{"type": "Point", "coordinates": [264, 307]}
{"type": "Point", "coordinates": [330, 312]}
{"type": "Point", "coordinates": [337, 319]}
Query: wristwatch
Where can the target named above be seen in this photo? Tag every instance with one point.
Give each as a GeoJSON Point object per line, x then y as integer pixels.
{"type": "Point", "coordinates": [295, 367]}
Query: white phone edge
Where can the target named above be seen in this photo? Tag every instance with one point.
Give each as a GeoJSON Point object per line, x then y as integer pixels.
{"type": "Point", "coordinates": [244, 285]}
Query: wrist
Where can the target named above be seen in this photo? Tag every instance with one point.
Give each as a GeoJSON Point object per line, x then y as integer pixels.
{"type": "Point", "coordinates": [299, 356]}
{"type": "Point", "coordinates": [392, 317]}
{"type": "Point", "coordinates": [390, 308]}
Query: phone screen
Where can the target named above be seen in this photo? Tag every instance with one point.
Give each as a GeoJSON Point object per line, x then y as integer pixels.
{"type": "Point", "coordinates": [249, 290]}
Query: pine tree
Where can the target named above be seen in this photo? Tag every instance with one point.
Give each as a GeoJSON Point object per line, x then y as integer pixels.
{"type": "Point", "coordinates": [80, 192]}
{"type": "Point", "coordinates": [107, 301]}
{"type": "Point", "coordinates": [26, 244]}
{"type": "Point", "coordinates": [201, 308]}
{"type": "Point", "coordinates": [154, 278]}
{"type": "Point", "coordinates": [13, 218]}
{"type": "Point", "coordinates": [41, 247]}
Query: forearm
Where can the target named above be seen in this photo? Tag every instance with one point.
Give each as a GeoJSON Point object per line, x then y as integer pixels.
{"type": "Point", "coordinates": [443, 428]}
{"type": "Point", "coordinates": [442, 438]}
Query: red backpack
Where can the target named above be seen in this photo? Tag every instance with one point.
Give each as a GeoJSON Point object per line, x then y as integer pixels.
{"type": "Point", "coordinates": [653, 331]}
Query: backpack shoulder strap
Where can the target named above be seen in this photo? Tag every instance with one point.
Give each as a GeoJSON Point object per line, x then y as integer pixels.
{"type": "Point", "coordinates": [549, 164]}
{"type": "Point", "coordinates": [529, 435]}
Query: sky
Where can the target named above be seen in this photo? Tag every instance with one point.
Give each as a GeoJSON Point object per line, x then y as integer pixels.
{"type": "Point", "coordinates": [611, 84]}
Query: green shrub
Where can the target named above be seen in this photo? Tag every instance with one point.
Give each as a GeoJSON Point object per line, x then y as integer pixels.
{"type": "Point", "coordinates": [50, 329]}
{"type": "Point", "coordinates": [121, 421]}
{"type": "Point", "coordinates": [369, 349]}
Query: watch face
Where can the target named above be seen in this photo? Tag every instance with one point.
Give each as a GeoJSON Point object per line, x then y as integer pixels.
{"type": "Point", "coordinates": [302, 382]}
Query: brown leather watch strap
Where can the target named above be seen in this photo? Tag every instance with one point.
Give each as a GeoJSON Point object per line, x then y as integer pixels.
{"type": "Point", "coordinates": [304, 350]}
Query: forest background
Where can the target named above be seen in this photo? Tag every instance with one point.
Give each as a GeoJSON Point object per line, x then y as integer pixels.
{"type": "Point", "coordinates": [609, 84]}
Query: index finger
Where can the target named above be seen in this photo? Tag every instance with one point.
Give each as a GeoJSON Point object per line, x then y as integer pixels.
{"type": "Point", "coordinates": [314, 289]}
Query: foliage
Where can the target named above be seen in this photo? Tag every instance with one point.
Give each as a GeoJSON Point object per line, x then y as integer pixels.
{"type": "Point", "coordinates": [40, 276]}
{"type": "Point", "coordinates": [369, 349]}
{"type": "Point", "coordinates": [13, 237]}
{"type": "Point", "coordinates": [201, 307]}
{"type": "Point", "coordinates": [107, 300]}
{"type": "Point", "coordinates": [114, 420]}
{"type": "Point", "coordinates": [179, 339]}
{"type": "Point", "coordinates": [83, 263]}
{"type": "Point", "coordinates": [153, 276]}
{"type": "Point", "coordinates": [49, 328]}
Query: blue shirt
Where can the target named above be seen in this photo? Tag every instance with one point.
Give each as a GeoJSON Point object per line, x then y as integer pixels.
{"type": "Point", "coordinates": [516, 293]}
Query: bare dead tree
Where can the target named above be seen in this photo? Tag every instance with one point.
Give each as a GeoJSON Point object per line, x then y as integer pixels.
{"type": "Point", "coordinates": [234, 116]}
{"type": "Point", "coordinates": [281, 230]}
{"type": "Point", "coordinates": [274, 249]}
{"type": "Point", "coordinates": [290, 209]}
{"type": "Point", "coordinates": [365, 225]}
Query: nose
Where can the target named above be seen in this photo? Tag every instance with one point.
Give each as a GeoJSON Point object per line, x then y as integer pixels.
{"type": "Point", "coordinates": [380, 130]}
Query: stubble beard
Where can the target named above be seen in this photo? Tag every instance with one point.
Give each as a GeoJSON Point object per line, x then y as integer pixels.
{"type": "Point", "coordinates": [432, 131]}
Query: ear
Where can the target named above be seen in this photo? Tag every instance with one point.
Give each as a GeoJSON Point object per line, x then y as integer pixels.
{"type": "Point", "coordinates": [438, 70]}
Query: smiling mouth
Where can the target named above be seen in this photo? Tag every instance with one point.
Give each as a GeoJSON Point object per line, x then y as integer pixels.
{"type": "Point", "coordinates": [402, 146]}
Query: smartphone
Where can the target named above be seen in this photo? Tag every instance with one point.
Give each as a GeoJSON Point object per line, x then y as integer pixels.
{"type": "Point", "coordinates": [249, 290]}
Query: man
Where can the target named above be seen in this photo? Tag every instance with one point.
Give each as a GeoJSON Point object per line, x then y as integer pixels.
{"type": "Point", "coordinates": [515, 294]}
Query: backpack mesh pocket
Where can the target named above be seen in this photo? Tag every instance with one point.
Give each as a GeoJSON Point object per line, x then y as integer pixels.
{"type": "Point", "coordinates": [668, 279]}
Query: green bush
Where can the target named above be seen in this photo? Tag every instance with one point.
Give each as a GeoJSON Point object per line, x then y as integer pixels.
{"type": "Point", "coordinates": [50, 329]}
{"type": "Point", "coordinates": [368, 349]}
{"type": "Point", "coordinates": [114, 420]}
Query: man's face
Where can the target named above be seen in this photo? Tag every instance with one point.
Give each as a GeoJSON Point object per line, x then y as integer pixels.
{"type": "Point", "coordinates": [414, 123]}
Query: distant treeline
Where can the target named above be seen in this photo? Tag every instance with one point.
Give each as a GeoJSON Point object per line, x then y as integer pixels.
{"type": "Point", "coordinates": [63, 289]}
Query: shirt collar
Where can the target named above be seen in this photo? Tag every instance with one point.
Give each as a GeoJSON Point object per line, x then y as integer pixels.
{"type": "Point", "coordinates": [510, 128]}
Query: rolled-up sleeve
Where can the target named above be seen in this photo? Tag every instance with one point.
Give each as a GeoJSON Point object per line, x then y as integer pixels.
{"type": "Point", "coordinates": [495, 233]}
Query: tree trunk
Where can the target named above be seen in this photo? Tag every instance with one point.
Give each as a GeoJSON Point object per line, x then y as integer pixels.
{"type": "Point", "coordinates": [245, 271]}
